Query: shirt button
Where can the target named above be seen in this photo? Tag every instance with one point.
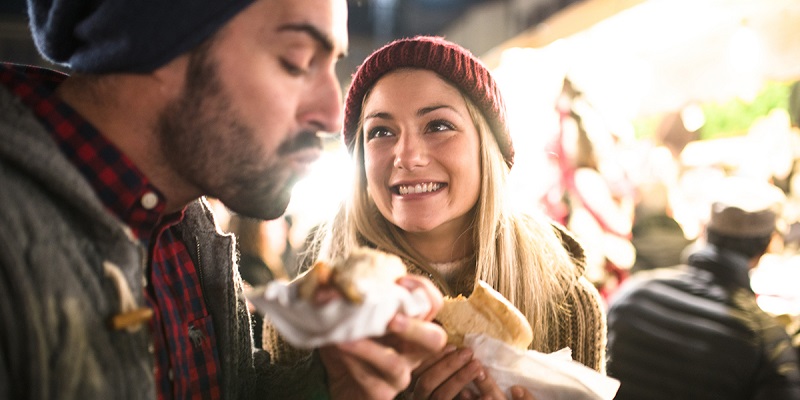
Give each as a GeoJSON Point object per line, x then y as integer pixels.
{"type": "Point", "coordinates": [149, 200]}
{"type": "Point", "coordinates": [170, 375]}
{"type": "Point", "coordinates": [151, 349]}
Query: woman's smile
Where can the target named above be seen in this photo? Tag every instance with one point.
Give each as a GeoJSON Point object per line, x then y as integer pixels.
{"type": "Point", "coordinates": [419, 188]}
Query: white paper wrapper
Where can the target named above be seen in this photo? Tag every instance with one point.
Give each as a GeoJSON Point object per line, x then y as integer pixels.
{"type": "Point", "coordinates": [306, 326]}
{"type": "Point", "coordinates": [547, 376]}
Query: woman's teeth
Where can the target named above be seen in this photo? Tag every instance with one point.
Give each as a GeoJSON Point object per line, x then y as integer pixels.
{"type": "Point", "coordinates": [419, 188]}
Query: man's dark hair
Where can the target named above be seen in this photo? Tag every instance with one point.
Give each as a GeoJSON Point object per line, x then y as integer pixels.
{"type": "Point", "coordinates": [747, 246]}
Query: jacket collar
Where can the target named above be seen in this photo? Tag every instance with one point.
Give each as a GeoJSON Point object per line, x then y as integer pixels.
{"type": "Point", "coordinates": [730, 268]}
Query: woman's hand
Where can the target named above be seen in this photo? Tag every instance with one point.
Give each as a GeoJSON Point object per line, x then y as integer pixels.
{"type": "Point", "coordinates": [448, 375]}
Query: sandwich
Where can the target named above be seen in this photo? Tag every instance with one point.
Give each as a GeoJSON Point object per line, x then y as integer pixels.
{"type": "Point", "coordinates": [487, 312]}
{"type": "Point", "coordinates": [347, 275]}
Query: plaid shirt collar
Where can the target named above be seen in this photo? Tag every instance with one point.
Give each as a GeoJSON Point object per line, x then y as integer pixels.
{"type": "Point", "coordinates": [121, 187]}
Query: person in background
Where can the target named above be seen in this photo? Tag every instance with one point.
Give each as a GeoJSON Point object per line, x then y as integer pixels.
{"type": "Point", "coordinates": [425, 123]}
{"type": "Point", "coordinates": [657, 237]}
{"type": "Point", "coordinates": [116, 282]}
{"type": "Point", "coordinates": [260, 261]}
{"type": "Point", "coordinates": [286, 233]}
{"type": "Point", "coordinates": [262, 245]}
{"type": "Point", "coordinates": [593, 197]}
{"type": "Point", "coordinates": [695, 331]}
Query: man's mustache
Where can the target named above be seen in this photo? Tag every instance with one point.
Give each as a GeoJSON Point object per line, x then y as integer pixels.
{"type": "Point", "coordinates": [301, 141]}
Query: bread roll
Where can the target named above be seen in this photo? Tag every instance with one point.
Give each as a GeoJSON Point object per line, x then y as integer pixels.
{"type": "Point", "coordinates": [485, 311]}
{"type": "Point", "coordinates": [361, 266]}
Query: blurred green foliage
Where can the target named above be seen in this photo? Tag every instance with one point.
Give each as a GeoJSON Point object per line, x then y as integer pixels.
{"type": "Point", "coordinates": [734, 118]}
{"type": "Point", "coordinates": [645, 127]}
{"type": "Point", "coordinates": [731, 118]}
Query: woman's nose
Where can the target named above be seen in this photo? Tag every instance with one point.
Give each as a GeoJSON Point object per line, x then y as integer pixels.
{"type": "Point", "coordinates": [410, 152]}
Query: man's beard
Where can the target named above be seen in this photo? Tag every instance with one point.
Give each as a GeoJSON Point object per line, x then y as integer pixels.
{"type": "Point", "coordinates": [203, 140]}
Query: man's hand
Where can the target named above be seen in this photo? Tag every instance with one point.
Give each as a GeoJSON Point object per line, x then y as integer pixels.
{"type": "Point", "coordinates": [381, 368]}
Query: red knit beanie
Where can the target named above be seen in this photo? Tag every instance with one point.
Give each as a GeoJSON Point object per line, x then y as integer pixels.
{"type": "Point", "coordinates": [451, 61]}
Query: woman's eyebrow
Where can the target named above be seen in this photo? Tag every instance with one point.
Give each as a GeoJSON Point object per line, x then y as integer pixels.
{"type": "Point", "coordinates": [421, 112]}
{"type": "Point", "coordinates": [379, 114]}
{"type": "Point", "coordinates": [426, 110]}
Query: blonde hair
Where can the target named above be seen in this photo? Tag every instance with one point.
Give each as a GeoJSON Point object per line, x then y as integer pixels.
{"type": "Point", "coordinates": [520, 255]}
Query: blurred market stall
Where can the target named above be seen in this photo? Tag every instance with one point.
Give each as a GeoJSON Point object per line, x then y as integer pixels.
{"type": "Point", "coordinates": [699, 69]}
{"type": "Point", "coordinates": [659, 55]}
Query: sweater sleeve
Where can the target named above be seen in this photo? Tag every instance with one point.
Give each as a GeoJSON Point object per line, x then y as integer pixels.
{"type": "Point", "coordinates": [287, 372]}
{"type": "Point", "coordinates": [584, 328]}
{"type": "Point", "coordinates": [306, 379]}
{"type": "Point", "coordinates": [283, 372]}
{"type": "Point", "coordinates": [280, 351]}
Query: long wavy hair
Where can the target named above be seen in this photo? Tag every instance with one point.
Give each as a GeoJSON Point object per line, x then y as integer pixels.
{"type": "Point", "coordinates": [519, 254]}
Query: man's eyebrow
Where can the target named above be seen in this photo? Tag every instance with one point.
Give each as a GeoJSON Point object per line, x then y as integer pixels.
{"type": "Point", "coordinates": [323, 39]}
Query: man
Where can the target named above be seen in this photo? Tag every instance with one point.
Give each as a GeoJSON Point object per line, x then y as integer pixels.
{"type": "Point", "coordinates": [695, 331]}
{"type": "Point", "coordinates": [114, 282]}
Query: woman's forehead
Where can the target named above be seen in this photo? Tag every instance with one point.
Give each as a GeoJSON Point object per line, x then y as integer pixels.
{"type": "Point", "coordinates": [411, 87]}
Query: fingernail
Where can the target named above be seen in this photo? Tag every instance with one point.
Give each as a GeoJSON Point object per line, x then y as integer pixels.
{"type": "Point", "coordinates": [481, 375]}
{"type": "Point", "coordinates": [399, 323]}
{"type": "Point", "coordinates": [517, 393]}
{"type": "Point", "coordinates": [408, 284]}
{"type": "Point", "coordinates": [465, 354]}
{"type": "Point", "coordinates": [449, 349]}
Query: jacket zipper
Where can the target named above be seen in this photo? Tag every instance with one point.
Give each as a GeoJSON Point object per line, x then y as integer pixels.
{"type": "Point", "coordinates": [200, 273]}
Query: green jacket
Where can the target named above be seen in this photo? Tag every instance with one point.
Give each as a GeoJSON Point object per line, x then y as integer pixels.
{"type": "Point", "coordinates": [56, 297]}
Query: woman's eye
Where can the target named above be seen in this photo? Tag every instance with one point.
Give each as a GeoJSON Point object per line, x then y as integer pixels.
{"type": "Point", "coordinates": [378, 132]}
{"type": "Point", "coordinates": [439, 126]}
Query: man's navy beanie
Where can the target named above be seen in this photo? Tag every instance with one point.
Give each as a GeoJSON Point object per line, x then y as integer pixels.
{"type": "Point", "coordinates": [101, 36]}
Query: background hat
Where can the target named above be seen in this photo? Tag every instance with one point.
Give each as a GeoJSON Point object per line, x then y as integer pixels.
{"type": "Point", "coordinates": [124, 36]}
{"type": "Point", "coordinates": [451, 61]}
{"type": "Point", "coordinates": [746, 207]}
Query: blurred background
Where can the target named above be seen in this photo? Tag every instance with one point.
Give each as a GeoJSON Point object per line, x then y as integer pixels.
{"type": "Point", "coordinates": [666, 97]}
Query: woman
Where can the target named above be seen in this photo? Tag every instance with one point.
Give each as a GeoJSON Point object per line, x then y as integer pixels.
{"type": "Point", "coordinates": [425, 123]}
